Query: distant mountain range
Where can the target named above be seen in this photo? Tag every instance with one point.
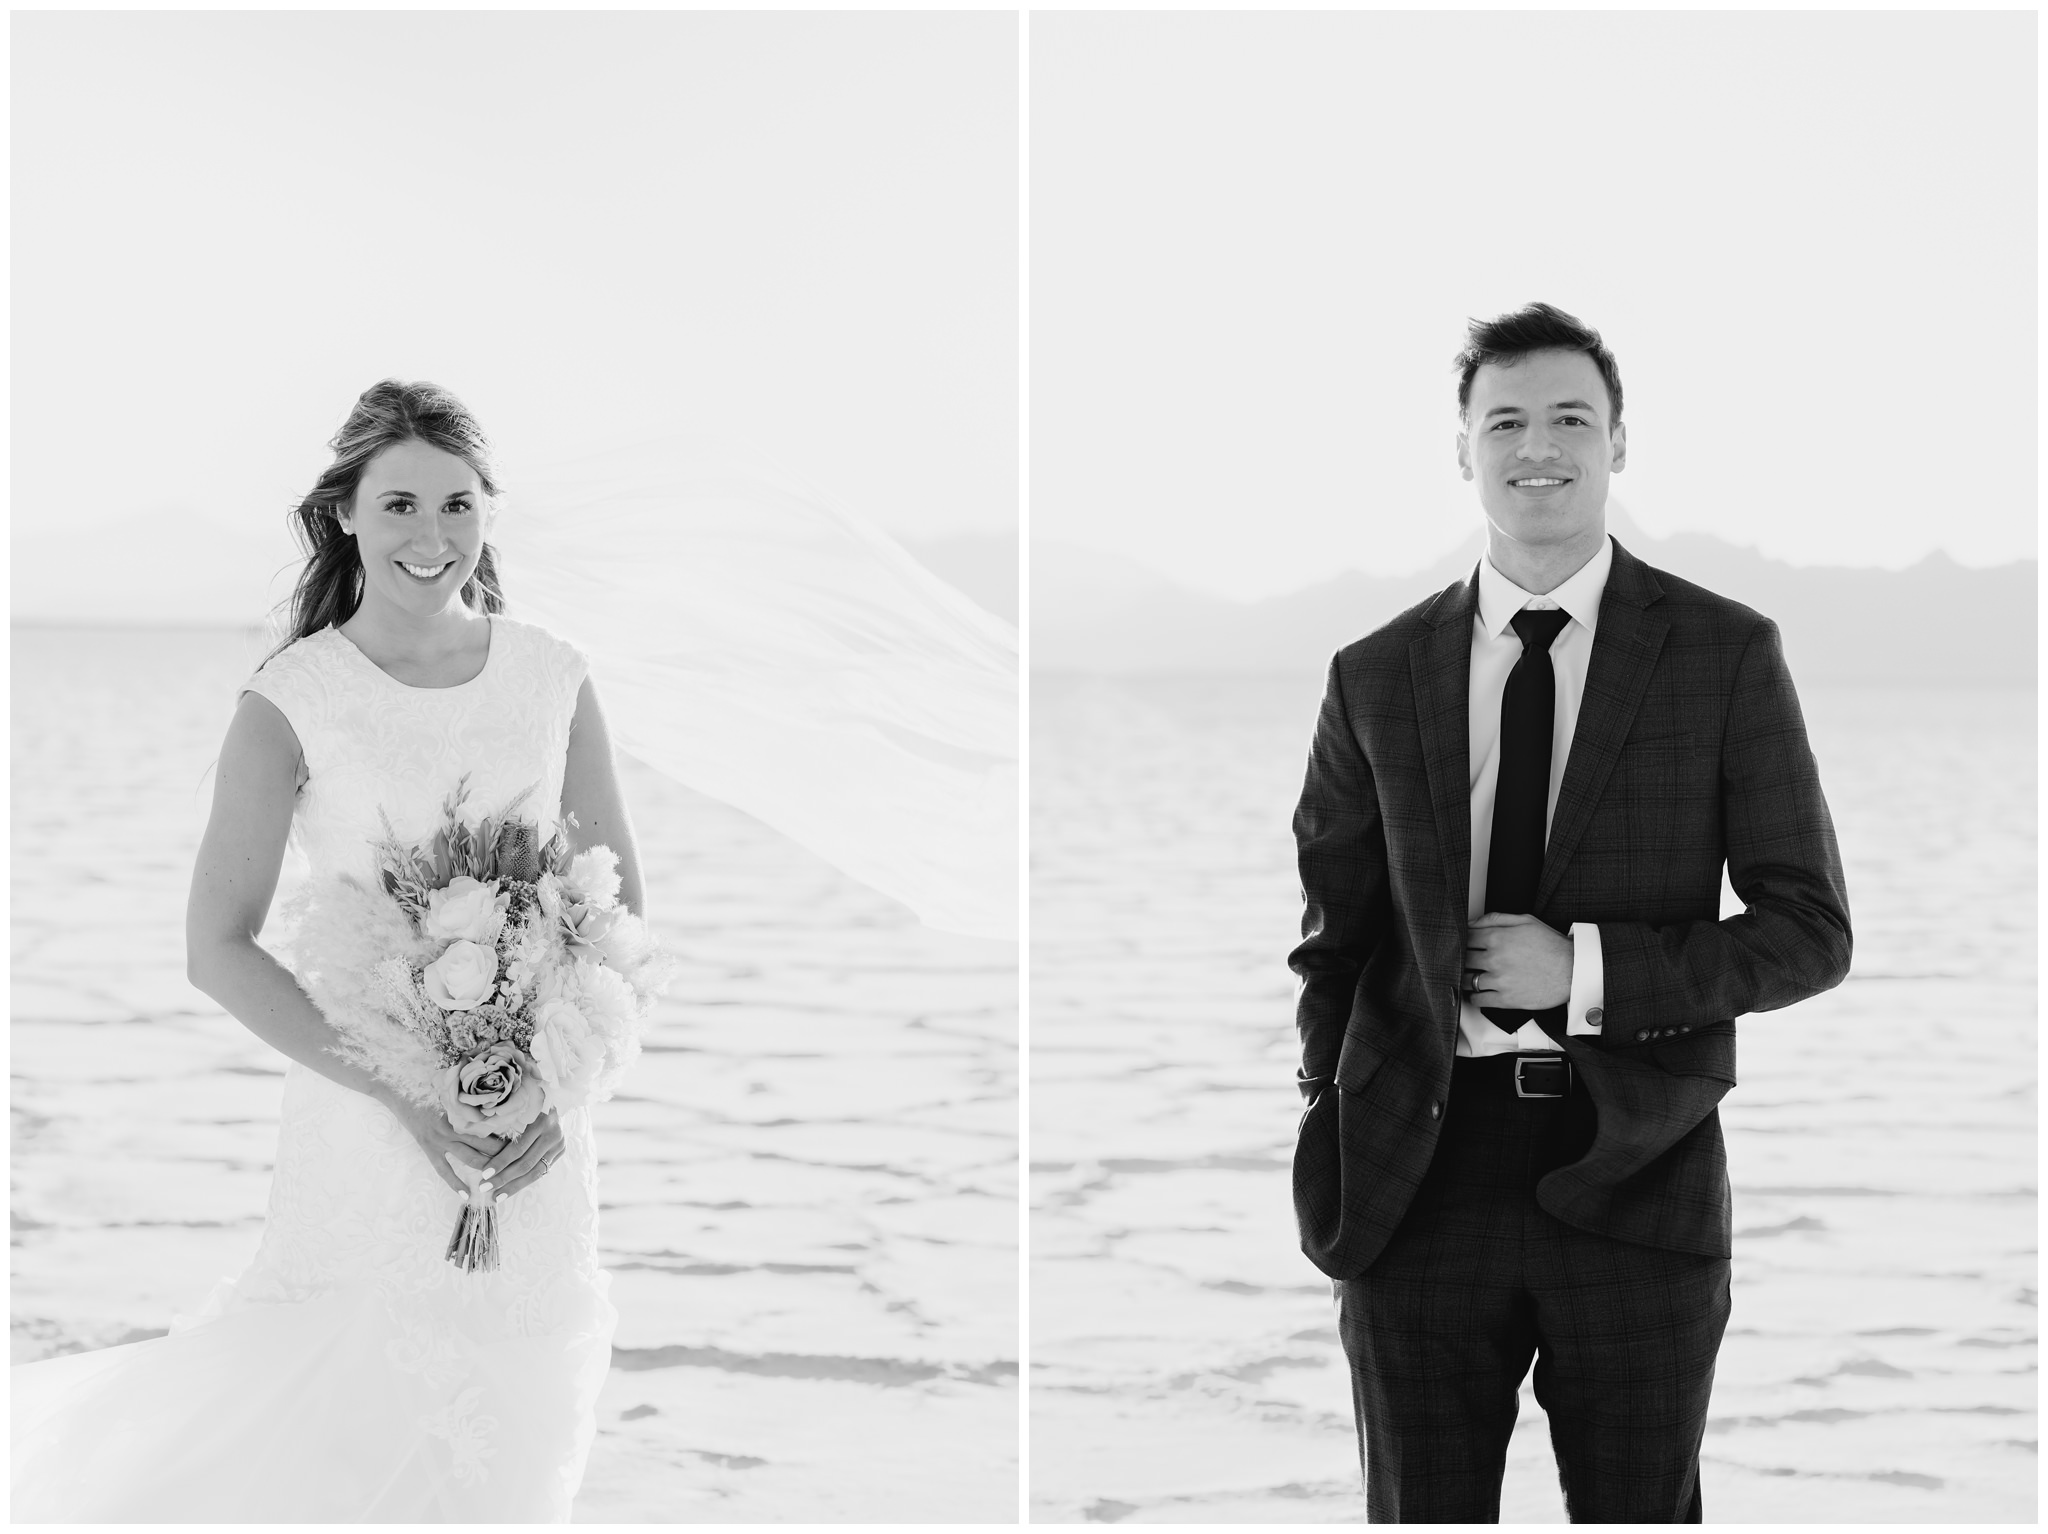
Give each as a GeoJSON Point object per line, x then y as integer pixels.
{"type": "Point", "coordinates": [1935, 622]}
{"type": "Point", "coordinates": [201, 569]}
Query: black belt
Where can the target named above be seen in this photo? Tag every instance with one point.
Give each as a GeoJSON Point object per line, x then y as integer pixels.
{"type": "Point", "coordinates": [1544, 1074]}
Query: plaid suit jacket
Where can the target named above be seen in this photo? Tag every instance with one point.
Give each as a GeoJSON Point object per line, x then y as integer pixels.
{"type": "Point", "coordinates": [1690, 750]}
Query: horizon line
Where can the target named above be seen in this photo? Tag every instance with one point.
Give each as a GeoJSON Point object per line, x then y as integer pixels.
{"type": "Point", "coordinates": [1641, 538]}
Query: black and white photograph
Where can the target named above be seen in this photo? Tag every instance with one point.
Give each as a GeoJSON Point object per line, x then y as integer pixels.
{"type": "Point", "coordinates": [961, 766]}
{"type": "Point", "coordinates": [515, 766]}
{"type": "Point", "coordinates": [1532, 645]}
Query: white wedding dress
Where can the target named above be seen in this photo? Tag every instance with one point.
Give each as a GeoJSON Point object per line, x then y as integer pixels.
{"type": "Point", "coordinates": [351, 1373]}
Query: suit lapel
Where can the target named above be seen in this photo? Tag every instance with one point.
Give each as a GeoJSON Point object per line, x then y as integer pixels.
{"type": "Point", "coordinates": [1440, 665]}
{"type": "Point", "coordinates": [1625, 649]}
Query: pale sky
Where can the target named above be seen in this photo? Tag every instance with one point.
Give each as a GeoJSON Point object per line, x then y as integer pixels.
{"type": "Point", "coordinates": [1256, 239]}
{"type": "Point", "coordinates": [792, 237]}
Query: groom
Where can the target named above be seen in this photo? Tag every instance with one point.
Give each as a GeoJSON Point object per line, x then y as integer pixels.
{"type": "Point", "coordinates": [1517, 994]}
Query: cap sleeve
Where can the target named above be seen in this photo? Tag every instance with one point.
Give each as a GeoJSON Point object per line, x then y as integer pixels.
{"type": "Point", "coordinates": [570, 666]}
{"type": "Point", "coordinates": [281, 680]}
{"type": "Point", "coordinates": [548, 665]}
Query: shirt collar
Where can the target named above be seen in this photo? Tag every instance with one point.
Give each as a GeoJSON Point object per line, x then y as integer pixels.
{"type": "Point", "coordinates": [1500, 598]}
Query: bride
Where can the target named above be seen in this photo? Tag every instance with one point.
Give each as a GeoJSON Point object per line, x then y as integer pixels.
{"type": "Point", "coordinates": [352, 1373]}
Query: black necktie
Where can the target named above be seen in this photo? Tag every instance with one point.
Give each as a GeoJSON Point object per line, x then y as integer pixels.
{"type": "Point", "coordinates": [1514, 861]}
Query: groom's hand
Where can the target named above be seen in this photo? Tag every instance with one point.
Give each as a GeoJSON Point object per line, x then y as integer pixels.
{"type": "Point", "coordinates": [1517, 961]}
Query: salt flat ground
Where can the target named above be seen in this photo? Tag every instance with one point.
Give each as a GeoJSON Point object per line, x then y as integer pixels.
{"type": "Point", "coordinates": [809, 1186]}
{"type": "Point", "coordinates": [1879, 1365]}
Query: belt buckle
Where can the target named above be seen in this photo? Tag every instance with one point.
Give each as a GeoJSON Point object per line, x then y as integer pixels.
{"type": "Point", "coordinates": [1559, 1060]}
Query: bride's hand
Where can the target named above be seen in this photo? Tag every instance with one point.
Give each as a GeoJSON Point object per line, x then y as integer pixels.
{"type": "Point", "coordinates": [529, 1157]}
{"type": "Point", "coordinates": [438, 1139]}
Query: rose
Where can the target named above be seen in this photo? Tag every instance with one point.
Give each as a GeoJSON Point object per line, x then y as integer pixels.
{"type": "Point", "coordinates": [494, 1092]}
{"type": "Point", "coordinates": [585, 925]}
{"type": "Point", "coordinates": [467, 910]}
{"type": "Point", "coordinates": [567, 1051]}
{"type": "Point", "coordinates": [461, 978]}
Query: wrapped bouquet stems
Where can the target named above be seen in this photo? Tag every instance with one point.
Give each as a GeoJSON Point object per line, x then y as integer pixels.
{"type": "Point", "coordinates": [474, 1245]}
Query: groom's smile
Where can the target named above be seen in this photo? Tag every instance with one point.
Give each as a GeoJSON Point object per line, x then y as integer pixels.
{"type": "Point", "coordinates": [1540, 440]}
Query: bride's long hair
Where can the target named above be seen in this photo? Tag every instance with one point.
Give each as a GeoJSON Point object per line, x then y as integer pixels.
{"type": "Point", "coordinates": [330, 588]}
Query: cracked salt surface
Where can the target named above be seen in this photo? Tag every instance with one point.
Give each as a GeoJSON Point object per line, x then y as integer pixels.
{"type": "Point", "coordinates": [808, 1186]}
{"type": "Point", "coordinates": [1878, 1365]}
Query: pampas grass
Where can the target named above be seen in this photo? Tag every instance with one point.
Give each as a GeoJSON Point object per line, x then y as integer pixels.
{"type": "Point", "coordinates": [329, 927]}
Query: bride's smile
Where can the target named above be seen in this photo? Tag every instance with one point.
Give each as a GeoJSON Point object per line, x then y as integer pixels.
{"type": "Point", "coordinates": [420, 517]}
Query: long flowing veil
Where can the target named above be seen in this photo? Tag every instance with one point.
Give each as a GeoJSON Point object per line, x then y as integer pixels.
{"type": "Point", "coordinates": [777, 652]}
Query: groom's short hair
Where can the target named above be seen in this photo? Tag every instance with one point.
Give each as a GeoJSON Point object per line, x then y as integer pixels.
{"type": "Point", "coordinates": [1507, 338]}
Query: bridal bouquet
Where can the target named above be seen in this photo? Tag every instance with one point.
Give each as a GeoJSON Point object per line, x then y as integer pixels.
{"type": "Point", "coordinates": [489, 974]}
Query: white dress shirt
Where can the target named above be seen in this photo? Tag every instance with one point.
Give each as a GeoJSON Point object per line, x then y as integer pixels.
{"type": "Point", "coordinates": [1495, 649]}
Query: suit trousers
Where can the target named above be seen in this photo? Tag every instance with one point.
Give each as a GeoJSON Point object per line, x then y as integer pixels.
{"type": "Point", "coordinates": [1478, 1280]}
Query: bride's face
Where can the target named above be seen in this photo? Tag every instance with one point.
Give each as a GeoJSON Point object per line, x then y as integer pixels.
{"type": "Point", "coordinates": [419, 519]}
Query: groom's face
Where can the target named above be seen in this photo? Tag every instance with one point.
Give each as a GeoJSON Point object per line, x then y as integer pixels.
{"type": "Point", "coordinates": [1540, 439]}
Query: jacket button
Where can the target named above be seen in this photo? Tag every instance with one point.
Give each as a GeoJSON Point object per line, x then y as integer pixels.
{"type": "Point", "coordinates": [1642, 1034]}
{"type": "Point", "coordinates": [1594, 1015]}
{"type": "Point", "coordinates": [1436, 1110]}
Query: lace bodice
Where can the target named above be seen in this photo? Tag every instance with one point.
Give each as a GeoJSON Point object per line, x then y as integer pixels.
{"type": "Point", "coordinates": [374, 744]}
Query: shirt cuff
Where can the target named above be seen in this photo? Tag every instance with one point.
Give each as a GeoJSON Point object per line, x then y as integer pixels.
{"type": "Point", "coordinates": [1584, 1011]}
